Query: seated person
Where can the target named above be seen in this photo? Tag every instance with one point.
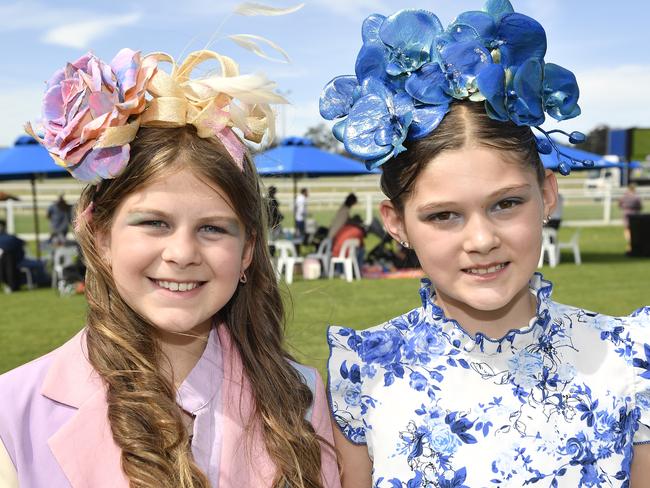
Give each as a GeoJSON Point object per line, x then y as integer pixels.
{"type": "Point", "coordinates": [353, 229]}
{"type": "Point", "coordinates": [342, 215]}
{"type": "Point", "coordinates": [13, 253]}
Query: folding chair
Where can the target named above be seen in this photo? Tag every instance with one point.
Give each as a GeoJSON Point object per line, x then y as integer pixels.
{"type": "Point", "coordinates": [63, 257]}
{"type": "Point", "coordinates": [287, 259]}
{"type": "Point", "coordinates": [323, 254]}
{"type": "Point", "coordinates": [549, 247]}
{"type": "Point", "coordinates": [348, 258]}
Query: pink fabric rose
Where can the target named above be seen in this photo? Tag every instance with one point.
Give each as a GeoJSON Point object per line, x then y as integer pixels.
{"type": "Point", "coordinates": [86, 98]}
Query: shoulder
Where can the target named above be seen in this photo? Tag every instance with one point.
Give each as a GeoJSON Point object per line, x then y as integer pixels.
{"type": "Point", "coordinates": [20, 392]}
{"type": "Point", "coordinates": [628, 336]}
{"type": "Point", "coordinates": [638, 318]}
{"type": "Point", "coordinates": [385, 336]}
{"type": "Point", "coordinates": [25, 380]}
{"type": "Point", "coordinates": [26, 384]}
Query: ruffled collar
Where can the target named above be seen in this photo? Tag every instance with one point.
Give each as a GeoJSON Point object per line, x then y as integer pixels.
{"type": "Point", "coordinates": [514, 338]}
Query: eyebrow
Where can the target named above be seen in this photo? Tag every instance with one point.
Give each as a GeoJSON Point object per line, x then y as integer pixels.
{"type": "Point", "coordinates": [496, 194]}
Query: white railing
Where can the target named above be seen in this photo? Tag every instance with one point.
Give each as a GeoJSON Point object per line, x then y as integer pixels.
{"type": "Point", "coordinates": [327, 194]}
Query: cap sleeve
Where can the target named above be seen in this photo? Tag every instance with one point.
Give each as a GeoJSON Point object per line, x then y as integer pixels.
{"type": "Point", "coordinates": [640, 325]}
{"type": "Point", "coordinates": [344, 383]}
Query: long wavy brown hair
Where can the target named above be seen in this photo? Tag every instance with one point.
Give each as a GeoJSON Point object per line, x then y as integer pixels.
{"type": "Point", "coordinates": [144, 417]}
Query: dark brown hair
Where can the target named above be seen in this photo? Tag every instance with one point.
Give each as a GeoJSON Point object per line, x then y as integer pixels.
{"type": "Point", "coordinates": [142, 410]}
{"type": "Point", "coordinates": [466, 124]}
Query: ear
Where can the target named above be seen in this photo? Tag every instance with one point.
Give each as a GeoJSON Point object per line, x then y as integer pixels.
{"type": "Point", "coordinates": [549, 192]}
{"type": "Point", "coordinates": [393, 221]}
{"type": "Point", "coordinates": [103, 242]}
{"type": "Point", "coordinates": [247, 255]}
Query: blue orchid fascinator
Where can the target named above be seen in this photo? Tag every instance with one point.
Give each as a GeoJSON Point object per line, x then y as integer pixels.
{"type": "Point", "coordinates": [410, 69]}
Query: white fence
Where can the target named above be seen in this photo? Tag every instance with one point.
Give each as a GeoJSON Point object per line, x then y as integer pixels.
{"type": "Point", "coordinates": [582, 206]}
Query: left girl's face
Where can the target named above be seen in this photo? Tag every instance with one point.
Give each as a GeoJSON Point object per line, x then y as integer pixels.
{"type": "Point", "coordinates": [177, 251]}
{"type": "Point", "coordinates": [475, 221]}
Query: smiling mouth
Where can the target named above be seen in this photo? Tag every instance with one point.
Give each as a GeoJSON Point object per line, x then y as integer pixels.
{"type": "Point", "coordinates": [484, 270]}
{"type": "Point", "coordinates": [178, 286]}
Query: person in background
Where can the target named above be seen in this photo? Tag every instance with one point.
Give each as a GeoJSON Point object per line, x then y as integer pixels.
{"type": "Point", "coordinates": [630, 204]}
{"type": "Point", "coordinates": [274, 214]}
{"type": "Point", "coordinates": [300, 212]}
{"type": "Point", "coordinates": [59, 214]}
{"type": "Point", "coordinates": [13, 253]}
{"type": "Point", "coordinates": [353, 229]}
{"type": "Point", "coordinates": [342, 215]}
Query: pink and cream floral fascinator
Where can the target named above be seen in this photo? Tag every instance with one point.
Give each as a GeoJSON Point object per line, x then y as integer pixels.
{"type": "Point", "coordinates": [92, 110]}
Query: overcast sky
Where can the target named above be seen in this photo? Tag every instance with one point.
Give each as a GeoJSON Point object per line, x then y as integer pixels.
{"type": "Point", "coordinates": [606, 44]}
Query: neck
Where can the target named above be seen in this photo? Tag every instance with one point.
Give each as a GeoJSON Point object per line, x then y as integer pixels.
{"type": "Point", "coordinates": [492, 323]}
{"type": "Point", "coordinates": [181, 352]}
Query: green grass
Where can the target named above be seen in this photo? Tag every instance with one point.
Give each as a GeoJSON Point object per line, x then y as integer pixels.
{"type": "Point", "coordinates": [33, 323]}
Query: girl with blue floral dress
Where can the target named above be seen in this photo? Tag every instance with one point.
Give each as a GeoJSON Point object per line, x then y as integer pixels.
{"type": "Point", "coordinates": [489, 383]}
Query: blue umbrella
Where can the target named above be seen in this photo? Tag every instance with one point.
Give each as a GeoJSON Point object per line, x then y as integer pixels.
{"type": "Point", "coordinates": [298, 156]}
{"type": "Point", "coordinates": [27, 159]}
{"type": "Point", "coordinates": [551, 161]}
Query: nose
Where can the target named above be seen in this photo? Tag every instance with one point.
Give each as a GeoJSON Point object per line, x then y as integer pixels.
{"type": "Point", "coordinates": [481, 235]}
{"type": "Point", "coordinates": [182, 248]}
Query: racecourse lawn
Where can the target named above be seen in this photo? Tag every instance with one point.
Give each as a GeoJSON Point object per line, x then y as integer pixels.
{"type": "Point", "coordinates": [35, 322]}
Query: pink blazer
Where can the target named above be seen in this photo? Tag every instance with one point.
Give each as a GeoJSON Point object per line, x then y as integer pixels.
{"type": "Point", "coordinates": [54, 425]}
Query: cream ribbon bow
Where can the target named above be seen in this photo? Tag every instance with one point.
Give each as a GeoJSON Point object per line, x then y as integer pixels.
{"type": "Point", "coordinates": [214, 104]}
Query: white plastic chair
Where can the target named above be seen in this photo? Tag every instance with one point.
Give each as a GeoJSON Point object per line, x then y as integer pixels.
{"type": "Point", "coordinates": [574, 245]}
{"type": "Point", "coordinates": [287, 259]}
{"type": "Point", "coordinates": [63, 257]}
{"type": "Point", "coordinates": [323, 253]}
{"type": "Point", "coordinates": [29, 279]}
{"type": "Point", "coordinates": [549, 247]}
{"type": "Point", "coordinates": [348, 258]}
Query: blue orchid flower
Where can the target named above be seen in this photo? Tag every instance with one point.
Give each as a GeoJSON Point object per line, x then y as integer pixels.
{"type": "Point", "coordinates": [497, 8]}
{"type": "Point", "coordinates": [429, 84]}
{"type": "Point", "coordinates": [377, 126]}
{"type": "Point", "coordinates": [338, 97]}
{"type": "Point", "coordinates": [371, 60]}
{"type": "Point", "coordinates": [425, 119]}
{"type": "Point", "coordinates": [491, 83]}
{"type": "Point", "coordinates": [473, 25]}
{"type": "Point", "coordinates": [519, 38]}
{"type": "Point", "coordinates": [409, 34]}
{"type": "Point", "coordinates": [524, 94]}
{"type": "Point", "coordinates": [560, 92]}
{"type": "Point", "coordinates": [462, 62]}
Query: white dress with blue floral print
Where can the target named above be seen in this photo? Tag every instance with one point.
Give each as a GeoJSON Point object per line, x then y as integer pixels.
{"type": "Point", "coordinates": [558, 403]}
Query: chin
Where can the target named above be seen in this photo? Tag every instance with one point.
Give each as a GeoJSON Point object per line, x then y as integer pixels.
{"type": "Point", "coordinates": [492, 303]}
{"type": "Point", "coordinates": [178, 325]}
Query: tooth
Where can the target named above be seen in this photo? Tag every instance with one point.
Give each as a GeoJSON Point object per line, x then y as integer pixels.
{"type": "Point", "coordinates": [183, 287]}
{"type": "Point", "coordinates": [173, 286]}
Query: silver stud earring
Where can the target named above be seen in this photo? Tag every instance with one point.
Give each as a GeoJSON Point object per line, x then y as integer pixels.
{"type": "Point", "coordinates": [546, 220]}
{"type": "Point", "coordinates": [405, 244]}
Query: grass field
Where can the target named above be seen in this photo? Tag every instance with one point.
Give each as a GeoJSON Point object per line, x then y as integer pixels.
{"type": "Point", "coordinates": [35, 322]}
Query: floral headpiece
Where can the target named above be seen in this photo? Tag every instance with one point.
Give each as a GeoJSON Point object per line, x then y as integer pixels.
{"type": "Point", "coordinates": [410, 69]}
{"type": "Point", "coordinates": [93, 110]}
